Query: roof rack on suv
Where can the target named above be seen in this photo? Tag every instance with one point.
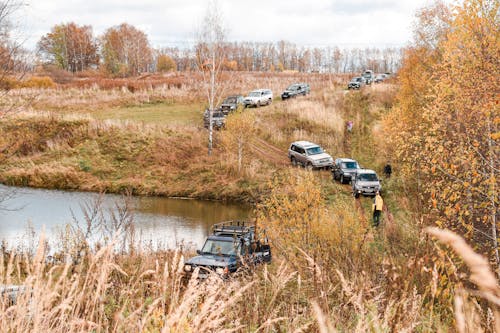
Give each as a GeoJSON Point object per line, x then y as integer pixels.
{"type": "Point", "coordinates": [233, 228]}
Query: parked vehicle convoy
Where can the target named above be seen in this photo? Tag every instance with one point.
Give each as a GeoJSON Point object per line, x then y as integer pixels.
{"type": "Point", "coordinates": [231, 103]}
{"type": "Point", "coordinates": [258, 97]}
{"type": "Point", "coordinates": [368, 76]}
{"type": "Point", "coordinates": [295, 90]}
{"type": "Point", "coordinates": [231, 245]}
{"type": "Point", "coordinates": [343, 169]}
{"type": "Point", "coordinates": [365, 182]}
{"type": "Point", "coordinates": [356, 83]}
{"type": "Point", "coordinates": [309, 155]}
{"type": "Point", "coordinates": [218, 119]}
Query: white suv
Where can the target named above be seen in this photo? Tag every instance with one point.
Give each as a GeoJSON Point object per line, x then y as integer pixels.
{"type": "Point", "coordinates": [258, 97]}
{"type": "Point", "coordinates": [309, 154]}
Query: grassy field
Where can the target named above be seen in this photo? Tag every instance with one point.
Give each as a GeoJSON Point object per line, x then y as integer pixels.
{"type": "Point", "coordinates": [160, 113]}
{"type": "Point", "coordinates": [331, 270]}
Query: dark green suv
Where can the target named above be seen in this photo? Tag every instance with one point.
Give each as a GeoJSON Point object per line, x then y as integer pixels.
{"type": "Point", "coordinates": [231, 245]}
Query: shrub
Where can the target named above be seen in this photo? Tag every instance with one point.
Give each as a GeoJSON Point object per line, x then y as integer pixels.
{"type": "Point", "coordinates": [43, 82]}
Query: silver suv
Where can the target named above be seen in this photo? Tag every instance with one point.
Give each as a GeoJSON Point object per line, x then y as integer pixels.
{"type": "Point", "coordinates": [258, 97]}
{"type": "Point", "coordinates": [309, 155]}
{"type": "Point", "coordinates": [365, 182]}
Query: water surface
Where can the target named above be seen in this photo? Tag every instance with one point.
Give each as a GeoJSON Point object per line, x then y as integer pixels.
{"type": "Point", "coordinates": [159, 222]}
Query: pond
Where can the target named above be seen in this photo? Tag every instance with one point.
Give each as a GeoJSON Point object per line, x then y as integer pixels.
{"type": "Point", "coordinates": [159, 222]}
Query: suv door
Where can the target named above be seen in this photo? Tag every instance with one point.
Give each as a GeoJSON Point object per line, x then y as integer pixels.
{"type": "Point", "coordinates": [301, 155]}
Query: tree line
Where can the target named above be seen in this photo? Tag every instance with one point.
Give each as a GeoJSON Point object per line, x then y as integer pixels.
{"type": "Point", "coordinates": [445, 128]}
{"type": "Point", "coordinates": [124, 50]}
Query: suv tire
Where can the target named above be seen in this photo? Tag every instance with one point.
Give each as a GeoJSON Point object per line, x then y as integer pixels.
{"type": "Point", "coordinates": [294, 161]}
{"type": "Point", "coordinates": [309, 166]}
{"type": "Point", "coordinates": [356, 195]}
{"type": "Point", "coordinates": [342, 179]}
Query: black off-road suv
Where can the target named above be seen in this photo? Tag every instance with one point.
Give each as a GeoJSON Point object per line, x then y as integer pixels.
{"type": "Point", "coordinates": [344, 169]}
{"type": "Point", "coordinates": [218, 119]}
{"type": "Point", "coordinates": [231, 103]}
{"type": "Point", "coordinates": [231, 245]}
{"type": "Point", "coordinates": [295, 90]}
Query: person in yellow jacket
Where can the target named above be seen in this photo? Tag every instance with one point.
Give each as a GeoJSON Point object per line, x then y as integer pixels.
{"type": "Point", "coordinates": [378, 205]}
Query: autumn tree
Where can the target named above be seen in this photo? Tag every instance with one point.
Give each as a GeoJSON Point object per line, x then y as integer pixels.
{"type": "Point", "coordinates": [446, 127]}
{"type": "Point", "coordinates": [15, 61]}
{"type": "Point", "coordinates": [125, 50]}
{"type": "Point", "coordinates": [237, 136]}
{"type": "Point", "coordinates": [70, 47]}
{"type": "Point", "coordinates": [165, 63]}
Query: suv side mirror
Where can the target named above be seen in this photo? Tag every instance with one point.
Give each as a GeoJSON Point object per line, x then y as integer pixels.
{"type": "Point", "coordinates": [198, 251]}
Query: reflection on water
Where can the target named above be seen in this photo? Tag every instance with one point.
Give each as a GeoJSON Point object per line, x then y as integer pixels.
{"type": "Point", "coordinates": [161, 222]}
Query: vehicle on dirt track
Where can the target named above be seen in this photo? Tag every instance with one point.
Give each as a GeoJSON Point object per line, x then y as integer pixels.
{"type": "Point", "coordinates": [295, 90]}
{"type": "Point", "coordinates": [343, 169]}
{"type": "Point", "coordinates": [368, 76]}
{"type": "Point", "coordinates": [232, 245]}
{"type": "Point", "coordinates": [258, 97]}
{"type": "Point", "coordinates": [356, 83]}
{"type": "Point", "coordinates": [218, 119]}
{"type": "Point", "coordinates": [231, 103]}
{"type": "Point", "coordinates": [365, 182]}
{"type": "Point", "coordinates": [309, 155]}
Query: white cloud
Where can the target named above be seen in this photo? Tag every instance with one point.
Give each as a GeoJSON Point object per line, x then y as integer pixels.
{"type": "Point", "coordinates": [305, 22]}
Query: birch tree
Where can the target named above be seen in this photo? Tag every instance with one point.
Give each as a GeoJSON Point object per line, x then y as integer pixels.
{"type": "Point", "coordinates": [210, 54]}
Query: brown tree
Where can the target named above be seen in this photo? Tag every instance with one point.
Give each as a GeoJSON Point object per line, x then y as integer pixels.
{"type": "Point", "coordinates": [70, 47]}
{"type": "Point", "coordinates": [126, 50]}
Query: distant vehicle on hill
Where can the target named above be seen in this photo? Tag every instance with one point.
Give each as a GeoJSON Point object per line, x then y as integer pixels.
{"type": "Point", "coordinates": [343, 169]}
{"type": "Point", "coordinates": [380, 78]}
{"type": "Point", "coordinates": [309, 155]}
{"type": "Point", "coordinates": [365, 182]}
{"type": "Point", "coordinates": [218, 119]}
{"type": "Point", "coordinates": [231, 103]}
{"type": "Point", "coordinates": [258, 97]}
{"type": "Point", "coordinates": [295, 90]}
{"type": "Point", "coordinates": [369, 76]}
{"type": "Point", "coordinates": [356, 83]}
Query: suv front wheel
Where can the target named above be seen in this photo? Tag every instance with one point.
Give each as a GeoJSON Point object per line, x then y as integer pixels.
{"type": "Point", "coordinates": [294, 161]}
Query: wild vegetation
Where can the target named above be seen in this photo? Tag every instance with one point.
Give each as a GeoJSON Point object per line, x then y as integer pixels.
{"type": "Point", "coordinates": [437, 123]}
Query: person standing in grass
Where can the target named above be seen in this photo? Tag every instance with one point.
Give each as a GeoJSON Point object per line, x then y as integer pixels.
{"type": "Point", "coordinates": [378, 205]}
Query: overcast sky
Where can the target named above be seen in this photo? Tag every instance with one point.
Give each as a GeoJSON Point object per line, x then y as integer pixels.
{"type": "Point", "coordinates": [344, 23]}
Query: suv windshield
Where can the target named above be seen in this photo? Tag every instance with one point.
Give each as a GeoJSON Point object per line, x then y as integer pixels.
{"type": "Point", "coordinates": [314, 151]}
{"type": "Point", "coordinates": [254, 94]}
{"type": "Point", "coordinates": [219, 247]}
{"type": "Point", "coordinates": [356, 79]}
{"type": "Point", "coordinates": [231, 100]}
{"type": "Point", "coordinates": [349, 165]}
{"type": "Point", "coordinates": [368, 177]}
{"type": "Point", "coordinates": [293, 87]}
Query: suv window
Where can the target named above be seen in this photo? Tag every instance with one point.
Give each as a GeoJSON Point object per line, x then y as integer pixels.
{"type": "Point", "coordinates": [350, 165]}
{"type": "Point", "coordinates": [301, 150]}
{"type": "Point", "coordinates": [370, 177]}
{"type": "Point", "coordinates": [314, 151]}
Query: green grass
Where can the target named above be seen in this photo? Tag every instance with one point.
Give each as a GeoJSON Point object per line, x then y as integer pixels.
{"type": "Point", "coordinates": [157, 113]}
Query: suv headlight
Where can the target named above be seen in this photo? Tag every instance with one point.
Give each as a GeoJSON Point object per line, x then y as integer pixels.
{"type": "Point", "coordinates": [219, 270]}
{"type": "Point", "coordinates": [187, 268]}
